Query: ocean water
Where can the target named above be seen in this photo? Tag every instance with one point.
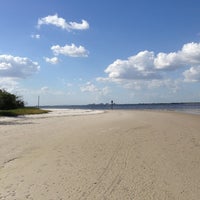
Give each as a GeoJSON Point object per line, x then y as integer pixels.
{"type": "Point", "coordinates": [193, 108]}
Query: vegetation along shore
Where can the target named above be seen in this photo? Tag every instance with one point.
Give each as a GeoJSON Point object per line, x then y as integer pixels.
{"type": "Point", "coordinates": [13, 105]}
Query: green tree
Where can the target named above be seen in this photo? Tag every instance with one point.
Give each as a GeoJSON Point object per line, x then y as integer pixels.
{"type": "Point", "coordinates": [10, 101]}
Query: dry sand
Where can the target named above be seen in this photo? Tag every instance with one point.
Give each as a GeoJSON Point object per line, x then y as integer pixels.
{"type": "Point", "coordinates": [118, 155]}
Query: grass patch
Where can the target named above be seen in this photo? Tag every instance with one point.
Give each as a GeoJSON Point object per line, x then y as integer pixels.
{"type": "Point", "coordinates": [22, 111]}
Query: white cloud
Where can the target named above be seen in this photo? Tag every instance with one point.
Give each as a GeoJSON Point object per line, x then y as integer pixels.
{"type": "Point", "coordinates": [35, 36]}
{"type": "Point", "coordinates": [79, 26]}
{"type": "Point", "coordinates": [169, 61]}
{"type": "Point", "coordinates": [90, 87]}
{"type": "Point", "coordinates": [192, 74]}
{"type": "Point", "coordinates": [189, 55]}
{"type": "Point", "coordinates": [52, 61]}
{"type": "Point", "coordinates": [62, 23]}
{"type": "Point", "coordinates": [17, 67]}
{"type": "Point", "coordinates": [140, 66]}
{"type": "Point", "coordinates": [146, 66]}
{"type": "Point", "coordinates": [70, 50]}
{"type": "Point", "coordinates": [5, 66]}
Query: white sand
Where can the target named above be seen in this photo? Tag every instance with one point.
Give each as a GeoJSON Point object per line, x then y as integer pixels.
{"type": "Point", "coordinates": [114, 155]}
{"type": "Point", "coordinates": [67, 112]}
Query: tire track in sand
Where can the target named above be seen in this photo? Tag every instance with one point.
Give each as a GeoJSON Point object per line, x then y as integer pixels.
{"type": "Point", "coordinates": [112, 174]}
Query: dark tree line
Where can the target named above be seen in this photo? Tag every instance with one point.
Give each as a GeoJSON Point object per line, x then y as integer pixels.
{"type": "Point", "coordinates": [10, 101]}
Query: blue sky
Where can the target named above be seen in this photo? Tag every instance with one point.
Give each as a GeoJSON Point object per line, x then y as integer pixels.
{"type": "Point", "coordinates": [81, 52]}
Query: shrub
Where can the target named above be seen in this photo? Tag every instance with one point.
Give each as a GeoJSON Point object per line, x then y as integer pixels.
{"type": "Point", "coordinates": [10, 101]}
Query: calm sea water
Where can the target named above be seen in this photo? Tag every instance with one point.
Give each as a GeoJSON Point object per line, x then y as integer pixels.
{"type": "Point", "coordinates": [193, 108]}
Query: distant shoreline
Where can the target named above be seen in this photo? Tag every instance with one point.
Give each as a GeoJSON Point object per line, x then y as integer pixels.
{"type": "Point", "coordinates": [190, 107]}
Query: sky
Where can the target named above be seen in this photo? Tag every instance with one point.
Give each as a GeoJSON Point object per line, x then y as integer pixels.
{"type": "Point", "coordinates": [74, 52]}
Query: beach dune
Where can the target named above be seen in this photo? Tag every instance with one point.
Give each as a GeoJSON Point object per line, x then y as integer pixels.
{"type": "Point", "coordinates": [117, 155]}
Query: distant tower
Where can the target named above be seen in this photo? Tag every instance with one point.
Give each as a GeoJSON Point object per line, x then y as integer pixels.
{"type": "Point", "coordinates": [111, 104]}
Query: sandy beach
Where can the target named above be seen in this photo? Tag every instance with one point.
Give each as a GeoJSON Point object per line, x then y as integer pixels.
{"type": "Point", "coordinates": [117, 155]}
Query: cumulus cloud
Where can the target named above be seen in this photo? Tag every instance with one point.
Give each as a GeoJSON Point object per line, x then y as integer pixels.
{"type": "Point", "coordinates": [79, 26]}
{"type": "Point", "coordinates": [70, 50]}
{"type": "Point", "coordinates": [62, 23]}
{"type": "Point", "coordinates": [189, 55]}
{"type": "Point", "coordinates": [192, 74]}
{"type": "Point", "coordinates": [52, 61]}
{"type": "Point", "coordinates": [140, 66]}
{"type": "Point", "coordinates": [17, 67]}
{"type": "Point", "coordinates": [147, 66]}
{"type": "Point", "coordinates": [169, 61]}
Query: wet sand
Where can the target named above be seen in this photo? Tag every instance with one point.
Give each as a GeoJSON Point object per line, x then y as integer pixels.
{"type": "Point", "coordinates": [116, 155]}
